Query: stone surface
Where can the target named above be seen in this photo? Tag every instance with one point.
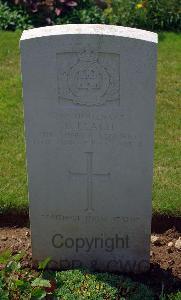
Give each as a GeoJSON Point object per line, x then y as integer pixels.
{"type": "Point", "coordinates": [155, 239]}
{"type": "Point", "coordinates": [170, 244]}
{"type": "Point", "coordinates": [4, 238]}
{"type": "Point", "coordinates": [178, 244]}
{"type": "Point", "coordinates": [89, 108]}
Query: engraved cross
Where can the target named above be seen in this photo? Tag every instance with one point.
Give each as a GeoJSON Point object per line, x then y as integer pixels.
{"type": "Point", "coordinates": [89, 179]}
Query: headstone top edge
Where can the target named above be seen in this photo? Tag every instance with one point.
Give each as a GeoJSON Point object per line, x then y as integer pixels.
{"type": "Point", "coordinates": [92, 29]}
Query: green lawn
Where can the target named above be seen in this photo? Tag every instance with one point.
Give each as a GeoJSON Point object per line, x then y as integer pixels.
{"type": "Point", "coordinates": [167, 158]}
{"type": "Point", "coordinates": [166, 189]}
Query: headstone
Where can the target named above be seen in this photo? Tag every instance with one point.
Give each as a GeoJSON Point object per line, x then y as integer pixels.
{"type": "Point", "coordinates": [89, 109]}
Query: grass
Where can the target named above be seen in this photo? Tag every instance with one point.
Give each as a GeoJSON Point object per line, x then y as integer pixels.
{"type": "Point", "coordinates": [166, 189]}
{"type": "Point", "coordinates": [167, 167]}
{"type": "Point", "coordinates": [13, 188]}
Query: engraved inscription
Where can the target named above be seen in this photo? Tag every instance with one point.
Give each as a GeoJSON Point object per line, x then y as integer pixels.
{"type": "Point", "coordinates": [88, 78]}
{"type": "Point", "coordinates": [92, 219]}
{"type": "Point", "coordinates": [90, 174]}
{"type": "Point", "coordinates": [87, 74]}
{"type": "Point", "coordinates": [87, 128]}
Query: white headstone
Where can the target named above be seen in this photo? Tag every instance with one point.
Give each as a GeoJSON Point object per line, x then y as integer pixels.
{"type": "Point", "coordinates": [89, 109]}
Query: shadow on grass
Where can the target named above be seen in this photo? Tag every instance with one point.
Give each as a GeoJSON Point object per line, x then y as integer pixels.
{"type": "Point", "coordinates": [163, 35]}
{"type": "Point", "coordinates": [159, 280]}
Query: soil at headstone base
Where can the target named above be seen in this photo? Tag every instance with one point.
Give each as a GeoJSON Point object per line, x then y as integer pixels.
{"type": "Point", "coordinates": [165, 268]}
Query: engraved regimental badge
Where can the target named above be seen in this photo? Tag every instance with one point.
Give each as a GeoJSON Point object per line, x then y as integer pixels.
{"type": "Point", "coordinates": [88, 78]}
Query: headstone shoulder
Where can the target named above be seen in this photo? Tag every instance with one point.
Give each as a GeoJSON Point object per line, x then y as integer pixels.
{"type": "Point", "coordinates": [89, 29]}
